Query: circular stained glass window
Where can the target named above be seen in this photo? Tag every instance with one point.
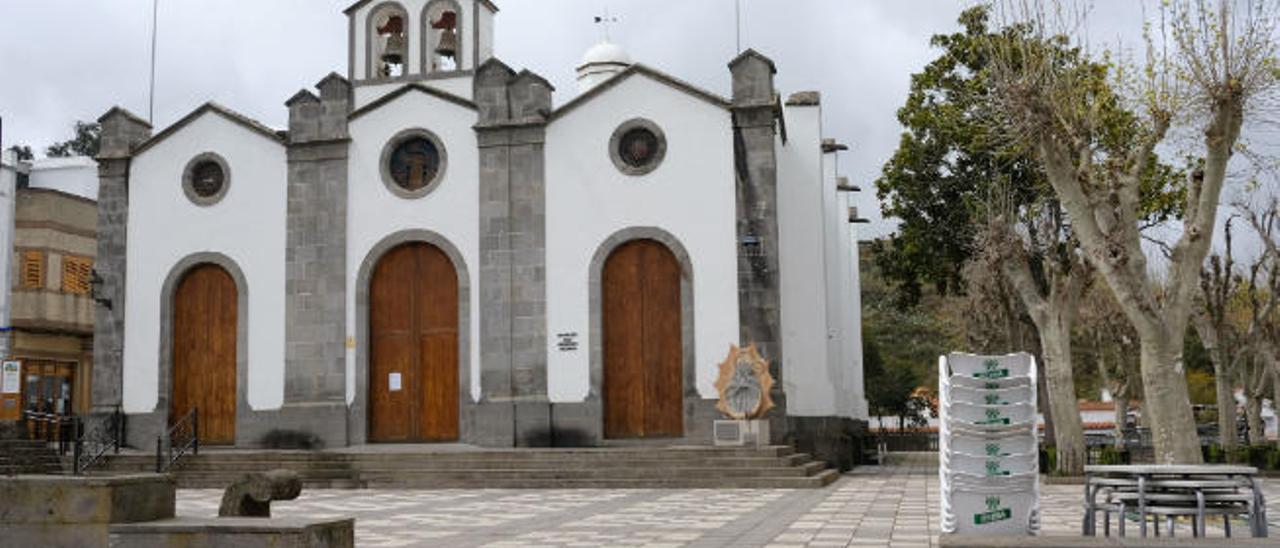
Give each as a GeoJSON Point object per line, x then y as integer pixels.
{"type": "Point", "coordinates": [207, 179]}
{"type": "Point", "coordinates": [414, 163]}
{"type": "Point", "coordinates": [638, 147]}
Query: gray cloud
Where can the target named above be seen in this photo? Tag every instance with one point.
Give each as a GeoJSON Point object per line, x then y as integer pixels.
{"type": "Point", "coordinates": [67, 60]}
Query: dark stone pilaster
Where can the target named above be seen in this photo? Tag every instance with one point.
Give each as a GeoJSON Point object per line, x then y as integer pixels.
{"type": "Point", "coordinates": [755, 114]}
{"type": "Point", "coordinates": [315, 257]}
{"type": "Point", "coordinates": [511, 131]}
{"type": "Point", "coordinates": [121, 132]}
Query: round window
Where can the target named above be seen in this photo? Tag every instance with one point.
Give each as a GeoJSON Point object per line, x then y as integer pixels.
{"type": "Point", "coordinates": [413, 162]}
{"type": "Point", "coordinates": [638, 147]}
{"type": "Point", "coordinates": [206, 179]}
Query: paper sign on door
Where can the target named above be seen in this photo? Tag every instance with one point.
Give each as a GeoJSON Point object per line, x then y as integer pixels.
{"type": "Point", "coordinates": [394, 382]}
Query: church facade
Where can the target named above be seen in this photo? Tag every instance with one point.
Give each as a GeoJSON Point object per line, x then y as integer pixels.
{"type": "Point", "coordinates": [433, 252]}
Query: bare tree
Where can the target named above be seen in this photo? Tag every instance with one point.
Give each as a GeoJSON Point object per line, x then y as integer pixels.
{"type": "Point", "coordinates": [1032, 246]}
{"type": "Point", "coordinates": [1219, 284]}
{"type": "Point", "coordinates": [1260, 355]}
{"type": "Point", "coordinates": [1115, 346]}
{"type": "Point", "coordinates": [1219, 64]}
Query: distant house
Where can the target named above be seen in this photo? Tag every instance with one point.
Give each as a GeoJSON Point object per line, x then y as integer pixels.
{"type": "Point", "coordinates": [48, 225]}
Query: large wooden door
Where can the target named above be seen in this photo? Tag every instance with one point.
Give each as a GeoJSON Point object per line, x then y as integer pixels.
{"type": "Point", "coordinates": [413, 356]}
{"type": "Point", "coordinates": [643, 359]}
{"type": "Point", "coordinates": [204, 352]}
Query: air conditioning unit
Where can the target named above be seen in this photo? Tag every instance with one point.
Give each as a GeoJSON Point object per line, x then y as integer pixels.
{"type": "Point", "coordinates": [733, 433]}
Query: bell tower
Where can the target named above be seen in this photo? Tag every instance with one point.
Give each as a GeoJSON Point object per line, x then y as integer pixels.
{"type": "Point", "coordinates": [394, 41]}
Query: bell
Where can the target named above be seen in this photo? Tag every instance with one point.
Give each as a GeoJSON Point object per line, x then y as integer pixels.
{"type": "Point", "coordinates": [448, 46]}
{"type": "Point", "coordinates": [394, 51]}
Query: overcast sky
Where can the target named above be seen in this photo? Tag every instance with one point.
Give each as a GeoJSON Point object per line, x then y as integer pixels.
{"type": "Point", "coordinates": [67, 60]}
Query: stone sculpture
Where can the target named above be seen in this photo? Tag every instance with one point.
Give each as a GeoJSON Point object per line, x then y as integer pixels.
{"type": "Point", "coordinates": [252, 494]}
{"type": "Point", "coordinates": [744, 384]}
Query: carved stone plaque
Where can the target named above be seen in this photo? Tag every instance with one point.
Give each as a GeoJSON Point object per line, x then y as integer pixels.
{"type": "Point", "coordinates": [744, 384]}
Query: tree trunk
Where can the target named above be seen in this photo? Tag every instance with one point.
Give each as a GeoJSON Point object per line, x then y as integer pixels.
{"type": "Point", "coordinates": [1253, 412]}
{"type": "Point", "coordinates": [1068, 431]}
{"type": "Point", "coordinates": [1275, 401]}
{"type": "Point", "coordinates": [1173, 426]}
{"type": "Point", "coordinates": [1121, 418]}
{"type": "Point", "coordinates": [1226, 403]}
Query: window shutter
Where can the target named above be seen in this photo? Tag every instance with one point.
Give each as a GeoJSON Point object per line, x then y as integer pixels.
{"type": "Point", "coordinates": [76, 273]}
{"type": "Point", "coordinates": [32, 270]}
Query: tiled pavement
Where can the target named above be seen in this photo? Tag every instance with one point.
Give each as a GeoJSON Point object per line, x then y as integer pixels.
{"type": "Point", "coordinates": [874, 506]}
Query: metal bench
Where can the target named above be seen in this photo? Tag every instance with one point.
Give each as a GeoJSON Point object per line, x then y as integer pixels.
{"type": "Point", "coordinates": [1172, 491]}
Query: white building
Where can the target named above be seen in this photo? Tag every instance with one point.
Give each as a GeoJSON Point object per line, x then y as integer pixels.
{"type": "Point", "coordinates": [432, 252]}
{"type": "Point", "coordinates": [8, 193]}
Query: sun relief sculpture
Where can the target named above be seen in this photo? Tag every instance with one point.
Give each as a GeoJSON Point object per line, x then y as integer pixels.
{"type": "Point", "coordinates": [744, 384]}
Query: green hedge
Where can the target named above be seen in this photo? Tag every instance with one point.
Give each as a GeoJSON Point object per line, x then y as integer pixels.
{"type": "Point", "coordinates": [1263, 457]}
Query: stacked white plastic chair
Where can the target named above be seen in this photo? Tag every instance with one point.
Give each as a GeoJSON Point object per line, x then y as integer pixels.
{"type": "Point", "coordinates": [988, 461]}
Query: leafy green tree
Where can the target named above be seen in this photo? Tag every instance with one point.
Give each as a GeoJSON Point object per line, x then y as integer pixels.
{"type": "Point", "coordinates": [890, 391]}
{"type": "Point", "coordinates": [85, 143]}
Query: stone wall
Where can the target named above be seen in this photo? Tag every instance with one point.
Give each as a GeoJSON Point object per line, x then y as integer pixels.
{"type": "Point", "coordinates": [73, 511]}
{"type": "Point", "coordinates": [511, 131]}
{"type": "Point", "coordinates": [755, 111]}
{"type": "Point", "coordinates": [315, 268]}
{"type": "Point", "coordinates": [121, 132]}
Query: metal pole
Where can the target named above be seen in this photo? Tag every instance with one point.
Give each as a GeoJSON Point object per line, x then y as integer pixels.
{"type": "Point", "coordinates": [737, 19]}
{"type": "Point", "coordinates": [155, 17]}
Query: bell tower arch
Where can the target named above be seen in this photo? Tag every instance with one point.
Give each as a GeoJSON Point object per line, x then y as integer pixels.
{"type": "Point", "coordinates": [443, 48]}
{"type": "Point", "coordinates": [387, 41]}
{"type": "Point", "coordinates": [414, 40]}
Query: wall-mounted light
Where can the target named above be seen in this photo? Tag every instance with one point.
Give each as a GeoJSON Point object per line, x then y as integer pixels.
{"type": "Point", "coordinates": [95, 288]}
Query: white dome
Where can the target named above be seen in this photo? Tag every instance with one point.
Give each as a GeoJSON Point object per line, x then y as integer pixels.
{"type": "Point", "coordinates": [606, 53]}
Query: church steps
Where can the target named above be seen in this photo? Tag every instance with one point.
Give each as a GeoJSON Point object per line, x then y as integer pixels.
{"type": "Point", "coordinates": [201, 463]}
{"type": "Point", "coordinates": [28, 457]}
{"type": "Point", "coordinates": [374, 467]}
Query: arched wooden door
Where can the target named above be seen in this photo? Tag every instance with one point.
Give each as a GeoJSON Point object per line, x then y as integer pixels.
{"type": "Point", "coordinates": [643, 357]}
{"type": "Point", "coordinates": [413, 355]}
{"type": "Point", "coordinates": [204, 352]}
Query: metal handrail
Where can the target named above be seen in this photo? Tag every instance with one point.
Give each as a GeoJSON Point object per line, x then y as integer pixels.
{"type": "Point", "coordinates": [92, 447]}
{"type": "Point", "coordinates": [189, 424]}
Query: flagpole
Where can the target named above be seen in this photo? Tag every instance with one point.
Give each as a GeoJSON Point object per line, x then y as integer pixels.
{"type": "Point", "coordinates": [151, 107]}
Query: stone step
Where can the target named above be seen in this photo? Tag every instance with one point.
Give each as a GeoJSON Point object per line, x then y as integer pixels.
{"type": "Point", "coordinates": [391, 475]}
{"type": "Point", "coordinates": [399, 467]}
{"type": "Point", "coordinates": [605, 453]}
{"type": "Point", "coordinates": [826, 477]}
{"type": "Point", "coordinates": [207, 462]}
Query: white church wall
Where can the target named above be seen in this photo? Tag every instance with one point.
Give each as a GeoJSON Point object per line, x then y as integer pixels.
{"type": "Point", "coordinates": [486, 37]}
{"type": "Point", "coordinates": [451, 209]}
{"type": "Point", "coordinates": [691, 196]}
{"type": "Point", "coordinates": [853, 401]}
{"type": "Point", "coordinates": [247, 225]}
{"type": "Point", "coordinates": [359, 68]}
{"type": "Point", "coordinates": [833, 219]}
{"type": "Point", "coordinates": [805, 370]}
{"type": "Point", "coordinates": [462, 86]}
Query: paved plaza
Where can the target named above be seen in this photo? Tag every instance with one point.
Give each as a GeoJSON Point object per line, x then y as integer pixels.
{"type": "Point", "coordinates": [873, 506]}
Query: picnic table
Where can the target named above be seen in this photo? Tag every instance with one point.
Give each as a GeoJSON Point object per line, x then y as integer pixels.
{"type": "Point", "coordinates": [1174, 490]}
